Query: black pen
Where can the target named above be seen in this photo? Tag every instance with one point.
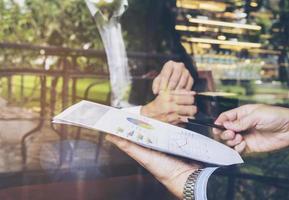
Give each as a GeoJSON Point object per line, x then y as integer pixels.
{"type": "Point", "coordinates": [205, 123]}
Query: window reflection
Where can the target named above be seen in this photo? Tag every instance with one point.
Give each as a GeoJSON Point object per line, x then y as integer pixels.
{"type": "Point", "coordinates": [52, 56]}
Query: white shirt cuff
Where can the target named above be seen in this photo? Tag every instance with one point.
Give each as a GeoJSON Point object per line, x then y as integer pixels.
{"type": "Point", "coordinates": [201, 183]}
{"type": "Point", "coordinates": [133, 110]}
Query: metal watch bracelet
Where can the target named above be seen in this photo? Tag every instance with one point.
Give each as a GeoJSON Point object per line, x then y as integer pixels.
{"type": "Point", "coordinates": [189, 189]}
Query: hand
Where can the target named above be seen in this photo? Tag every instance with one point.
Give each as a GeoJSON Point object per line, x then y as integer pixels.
{"type": "Point", "coordinates": [171, 107]}
{"type": "Point", "coordinates": [170, 171]}
{"type": "Point", "coordinates": [174, 76]}
{"type": "Point", "coordinates": [255, 128]}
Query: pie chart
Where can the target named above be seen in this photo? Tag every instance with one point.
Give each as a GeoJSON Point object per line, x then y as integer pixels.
{"type": "Point", "coordinates": [140, 123]}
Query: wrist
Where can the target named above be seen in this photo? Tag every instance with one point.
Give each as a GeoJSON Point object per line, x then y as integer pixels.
{"type": "Point", "coordinates": [176, 186]}
{"type": "Point", "coordinates": [177, 181]}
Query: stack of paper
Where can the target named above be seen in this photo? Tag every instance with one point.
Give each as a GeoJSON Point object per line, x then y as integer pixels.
{"type": "Point", "coordinates": [148, 132]}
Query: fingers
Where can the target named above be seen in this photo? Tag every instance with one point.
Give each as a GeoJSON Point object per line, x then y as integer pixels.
{"type": "Point", "coordinates": [184, 119]}
{"type": "Point", "coordinates": [216, 133]}
{"type": "Point", "coordinates": [171, 106]}
{"type": "Point", "coordinates": [182, 92]}
{"type": "Point", "coordinates": [240, 148]}
{"type": "Point", "coordinates": [220, 135]}
{"type": "Point", "coordinates": [230, 115]}
{"type": "Point", "coordinates": [156, 85]}
{"type": "Point", "coordinates": [231, 139]}
{"type": "Point", "coordinates": [184, 110]}
{"type": "Point", "coordinates": [183, 80]}
{"type": "Point", "coordinates": [177, 119]}
{"type": "Point", "coordinates": [178, 114]}
{"type": "Point", "coordinates": [183, 99]}
{"type": "Point", "coordinates": [190, 84]}
{"type": "Point", "coordinates": [238, 119]}
{"type": "Point", "coordinates": [177, 101]}
{"type": "Point", "coordinates": [172, 118]}
{"type": "Point", "coordinates": [227, 135]}
{"type": "Point", "coordinates": [174, 76]}
{"type": "Point", "coordinates": [240, 125]}
{"type": "Point", "coordinates": [177, 76]}
{"type": "Point", "coordinates": [235, 141]}
{"type": "Point", "coordinates": [166, 74]}
{"type": "Point", "coordinates": [181, 103]}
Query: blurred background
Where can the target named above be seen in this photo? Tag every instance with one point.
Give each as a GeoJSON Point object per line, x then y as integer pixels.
{"type": "Point", "coordinates": [51, 56]}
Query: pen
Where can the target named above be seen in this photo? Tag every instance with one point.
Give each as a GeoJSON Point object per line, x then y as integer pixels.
{"type": "Point", "coordinates": [205, 123]}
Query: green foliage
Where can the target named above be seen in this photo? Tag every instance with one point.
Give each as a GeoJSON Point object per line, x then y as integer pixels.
{"type": "Point", "coordinates": [68, 23]}
{"type": "Point", "coordinates": [61, 23]}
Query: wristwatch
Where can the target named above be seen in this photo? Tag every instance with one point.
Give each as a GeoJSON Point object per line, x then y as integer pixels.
{"type": "Point", "coordinates": [189, 189]}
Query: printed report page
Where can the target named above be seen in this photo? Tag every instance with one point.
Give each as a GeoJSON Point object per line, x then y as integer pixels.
{"type": "Point", "coordinates": [149, 133]}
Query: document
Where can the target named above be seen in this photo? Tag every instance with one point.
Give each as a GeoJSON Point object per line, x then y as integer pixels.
{"type": "Point", "coordinates": [149, 133]}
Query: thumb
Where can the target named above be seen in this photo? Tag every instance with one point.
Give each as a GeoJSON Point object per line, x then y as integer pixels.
{"type": "Point", "coordinates": [240, 125]}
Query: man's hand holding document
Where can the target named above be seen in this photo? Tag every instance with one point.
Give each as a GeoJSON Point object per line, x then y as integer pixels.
{"type": "Point", "coordinates": [148, 132]}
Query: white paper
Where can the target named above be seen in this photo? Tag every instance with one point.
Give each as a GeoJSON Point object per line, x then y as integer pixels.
{"type": "Point", "coordinates": [149, 133]}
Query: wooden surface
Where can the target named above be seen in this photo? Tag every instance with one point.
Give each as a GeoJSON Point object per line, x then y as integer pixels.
{"type": "Point", "coordinates": [120, 188]}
